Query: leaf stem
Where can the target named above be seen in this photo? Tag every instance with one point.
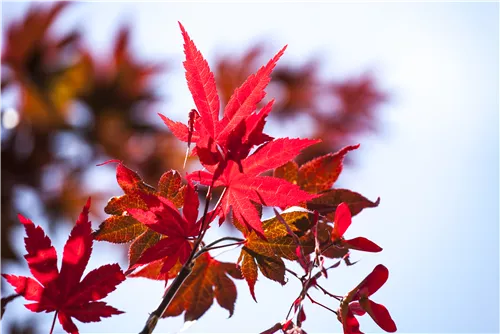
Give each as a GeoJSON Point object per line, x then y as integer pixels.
{"type": "Point", "coordinates": [210, 245]}
{"type": "Point", "coordinates": [293, 273]}
{"type": "Point", "coordinates": [206, 249]}
{"type": "Point", "coordinates": [53, 323]}
{"type": "Point", "coordinates": [318, 303]}
{"type": "Point", "coordinates": [328, 293]}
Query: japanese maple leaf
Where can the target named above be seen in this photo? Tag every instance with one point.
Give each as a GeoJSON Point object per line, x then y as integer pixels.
{"type": "Point", "coordinates": [357, 302]}
{"type": "Point", "coordinates": [342, 222]}
{"type": "Point", "coordinates": [240, 128]}
{"type": "Point", "coordinates": [318, 176]}
{"type": "Point", "coordinates": [65, 292]}
{"type": "Point", "coordinates": [244, 185]}
{"type": "Point", "coordinates": [208, 280]}
{"type": "Point", "coordinates": [163, 217]}
{"type": "Point", "coordinates": [267, 254]}
{"type": "Point", "coordinates": [122, 227]}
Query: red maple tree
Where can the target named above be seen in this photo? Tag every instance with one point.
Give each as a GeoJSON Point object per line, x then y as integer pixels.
{"type": "Point", "coordinates": [167, 226]}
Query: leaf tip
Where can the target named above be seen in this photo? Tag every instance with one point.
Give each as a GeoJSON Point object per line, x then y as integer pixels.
{"type": "Point", "coordinates": [25, 221]}
{"type": "Point", "coordinates": [87, 204]}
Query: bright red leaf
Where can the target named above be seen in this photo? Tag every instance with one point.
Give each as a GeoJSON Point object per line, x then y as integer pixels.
{"type": "Point", "coordinates": [361, 293]}
{"type": "Point", "coordinates": [342, 221]}
{"type": "Point", "coordinates": [244, 186]}
{"type": "Point", "coordinates": [240, 127]}
{"type": "Point", "coordinates": [341, 224]}
{"type": "Point", "coordinates": [65, 292]}
{"type": "Point", "coordinates": [162, 217]}
{"type": "Point", "coordinates": [122, 227]}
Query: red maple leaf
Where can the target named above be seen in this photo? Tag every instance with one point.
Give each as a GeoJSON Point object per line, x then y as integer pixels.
{"type": "Point", "coordinates": [342, 221]}
{"type": "Point", "coordinates": [64, 292]}
{"type": "Point", "coordinates": [350, 305]}
{"type": "Point", "coordinates": [162, 217]}
{"type": "Point", "coordinates": [232, 137]}
{"type": "Point", "coordinates": [244, 185]}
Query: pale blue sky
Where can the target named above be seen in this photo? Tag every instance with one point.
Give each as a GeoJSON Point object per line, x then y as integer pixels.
{"type": "Point", "coordinates": [435, 166]}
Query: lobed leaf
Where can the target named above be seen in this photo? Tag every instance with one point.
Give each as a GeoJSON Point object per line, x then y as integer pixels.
{"type": "Point", "coordinates": [201, 84]}
{"type": "Point", "coordinates": [170, 186]}
{"type": "Point", "coordinates": [137, 202]}
{"type": "Point", "coordinates": [64, 291]}
{"type": "Point", "coordinates": [153, 271]}
{"type": "Point", "coordinates": [119, 229]}
{"type": "Point", "coordinates": [146, 240]}
{"type": "Point", "coordinates": [321, 173]}
{"type": "Point", "coordinates": [208, 280]}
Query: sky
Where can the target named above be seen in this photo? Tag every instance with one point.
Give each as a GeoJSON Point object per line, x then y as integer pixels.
{"type": "Point", "coordinates": [435, 165]}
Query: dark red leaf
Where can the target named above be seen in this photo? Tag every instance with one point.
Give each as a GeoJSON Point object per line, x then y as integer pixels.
{"type": "Point", "coordinates": [362, 244]}
{"type": "Point", "coordinates": [372, 282]}
{"type": "Point", "coordinates": [379, 314]}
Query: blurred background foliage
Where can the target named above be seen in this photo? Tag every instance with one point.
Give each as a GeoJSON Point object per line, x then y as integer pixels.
{"type": "Point", "coordinates": [72, 108]}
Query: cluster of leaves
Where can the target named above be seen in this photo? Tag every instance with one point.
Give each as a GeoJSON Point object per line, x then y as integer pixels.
{"type": "Point", "coordinates": [350, 110]}
{"type": "Point", "coordinates": [67, 96]}
{"type": "Point", "coordinates": [71, 94]}
{"type": "Point", "coordinates": [167, 227]}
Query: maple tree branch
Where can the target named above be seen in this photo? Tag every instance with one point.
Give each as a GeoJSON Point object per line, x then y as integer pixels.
{"type": "Point", "coordinates": [167, 298]}
{"type": "Point", "coordinates": [276, 327]}
{"type": "Point", "coordinates": [53, 323]}
{"type": "Point", "coordinates": [186, 268]}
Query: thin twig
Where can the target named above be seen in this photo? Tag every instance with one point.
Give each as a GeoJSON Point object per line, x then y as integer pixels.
{"type": "Point", "coordinates": [205, 249]}
{"type": "Point", "coordinates": [328, 293]}
{"type": "Point", "coordinates": [318, 303]}
{"type": "Point", "coordinates": [293, 273]}
{"type": "Point", "coordinates": [276, 327]}
{"type": "Point", "coordinates": [53, 323]}
{"type": "Point", "coordinates": [223, 239]}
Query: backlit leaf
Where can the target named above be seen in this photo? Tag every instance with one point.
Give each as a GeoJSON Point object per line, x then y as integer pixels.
{"type": "Point", "coordinates": [328, 201]}
{"type": "Point", "coordinates": [321, 173]}
{"type": "Point", "coordinates": [208, 280]}
{"type": "Point", "coordinates": [65, 292]}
